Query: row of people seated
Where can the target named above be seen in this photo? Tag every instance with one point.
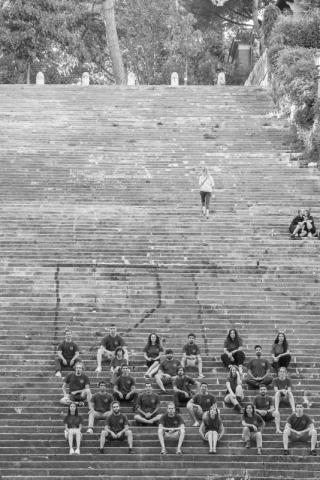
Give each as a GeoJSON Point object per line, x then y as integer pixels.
{"type": "Point", "coordinates": [302, 225]}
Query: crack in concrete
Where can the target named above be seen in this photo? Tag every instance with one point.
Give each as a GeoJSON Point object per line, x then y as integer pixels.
{"type": "Point", "coordinates": [56, 310]}
{"type": "Point", "coordinates": [199, 315]}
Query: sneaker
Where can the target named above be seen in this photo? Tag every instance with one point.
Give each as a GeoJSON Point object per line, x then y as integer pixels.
{"type": "Point", "coordinates": [201, 375]}
{"type": "Point", "coordinates": [90, 430]}
{"type": "Point", "coordinates": [77, 451]}
{"type": "Point", "coordinates": [179, 452]}
{"type": "Point", "coordinates": [98, 370]}
{"type": "Point", "coordinates": [58, 374]}
{"type": "Point", "coordinates": [285, 452]}
{"type": "Point", "coordinates": [248, 444]}
{"type": "Point", "coordinates": [101, 450]}
{"type": "Point", "coordinates": [238, 408]}
{"type": "Point", "coordinates": [81, 404]}
{"type": "Point", "coordinates": [163, 451]}
{"type": "Point", "coordinates": [313, 452]}
{"type": "Point", "coordinates": [130, 450]}
{"type": "Point", "coordinates": [71, 451]}
{"type": "Point", "coordinates": [196, 424]}
{"type": "Point", "coordinates": [259, 451]}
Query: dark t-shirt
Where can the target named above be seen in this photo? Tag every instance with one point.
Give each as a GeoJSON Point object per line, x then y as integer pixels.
{"type": "Point", "coordinates": [153, 351]}
{"type": "Point", "coordinates": [111, 343]}
{"type": "Point", "coordinates": [68, 349]}
{"type": "Point", "coordinates": [124, 384]}
{"type": "Point", "coordinates": [118, 362]}
{"type": "Point", "coordinates": [258, 367]}
{"type": "Point", "coordinates": [212, 424]}
{"type": "Point", "coordinates": [116, 423]}
{"type": "Point", "coordinates": [263, 403]}
{"type": "Point", "coordinates": [282, 384]}
{"type": "Point", "coordinates": [148, 402]}
{"type": "Point", "coordinates": [191, 349]}
{"type": "Point", "coordinates": [233, 382]}
{"type": "Point", "coordinates": [277, 349]}
{"type": "Point", "coordinates": [77, 382]}
{"type": "Point", "coordinates": [231, 345]}
{"type": "Point", "coordinates": [170, 366]}
{"type": "Point", "coordinates": [255, 420]}
{"type": "Point", "coordinates": [185, 383]}
{"type": "Point", "coordinates": [205, 401]}
{"type": "Point", "coordinates": [171, 422]}
{"type": "Point", "coordinates": [102, 401]}
{"type": "Point", "coordinates": [73, 421]}
{"type": "Point", "coordinates": [299, 423]}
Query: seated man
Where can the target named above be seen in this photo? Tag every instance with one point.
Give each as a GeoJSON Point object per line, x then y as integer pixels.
{"type": "Point", "coordinates": [124, 388]}
{"type": "Point", "coordinates": [182, 387]}
{"type": "Point", "coordinates": [99, 405]}
{"type": "Point", "coordinates": [200, 403]}
{"type": "Point", "coordinates": [108, 346]}
{"type": "Point", "coordinates": [211, 428]}
{"type": "Point", "coordinates": [300, 427]}
{"type": "Point", "coordinates": [258, 370]}
{"type": "Point", "coordinates": [67, 354]}
{"type": "Point", "coordinates": [264, 407]}
{"type": "Point", "coordinates": [117, 428]}
{"type": "Point", "coordinates": [79, 387]}
{"type": "Point", "coordinates": [282, 388]}
{"type": "Point", "coordinates": [302, 225]}
{"type": "Point", "coordinates": [191, 354]}
{"type": "Point", "coordinates": [148, 405]}
{"type": "Point", "coordinates": [171, 426]}
{"type": "Point", "coordinates": [167, 370]}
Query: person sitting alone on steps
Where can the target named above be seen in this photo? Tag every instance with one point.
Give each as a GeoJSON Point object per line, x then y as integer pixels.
{"type": "Point", "coordinates": [282, 388]}
{"type": "Point", "coordinates": [124, 388]}
{"type": "Point", "coordinates": [200, 403]}
{"type": "Point", "coordinates": [258, 370]}
{"type": "Point", "coordinates": [67, 354]}
{"type": "Point", "coordinates": [99, 405]}
{"type": "Point", "coordinates": [300, 427]}
{"type": "Point", "coordinates": [234, 394]}
{"type": "Point", "coordinates": [253, 425]}
{"type": "Point", "coordinates": [72, 428]}
{"type": "Point", "coordinates": [108, 346]}
{"type": "Point", "coordinates": [167, 370]}
{"type": "Point", "coordinates": [191, 355]}
{"type": "Point", "coordinates": [79, 387]}
{"type": "Point", "coordinates": [152, 353]}
{"type": "Point", "coordinates": [116, 428]}
{"type": "Point", "coordinates": [117, 363]}
{"type": "Point", "coordinates": [182, 387]}
{"type": "Point", "coordinates": [148, 406]}
{"type": "Point", "coordinates": [211, 428]}
{"type": "Point", "coordinates": [280, 352]}
{"type": "Point", "coordinates": [171, 426]}
{"type": "Point", "coordinates": [263, 404]}
{"type": "Point", "coordinates": [233, 353]}
{"type": "Point", "coordinates": [206, 185]}
{"type": "Point", "coordinates": [302, 225]}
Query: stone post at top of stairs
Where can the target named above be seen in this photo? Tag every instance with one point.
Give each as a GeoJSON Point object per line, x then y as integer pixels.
{"type": "Point", "coordinates": [174, 79]}
{"type": "Point", "coordinates": [40, 78]}
{"type": "Point", "coordinates": [85, 79]}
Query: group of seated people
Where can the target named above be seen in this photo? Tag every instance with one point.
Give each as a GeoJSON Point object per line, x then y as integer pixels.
{"type": "Point", "coordinates": [302, 225]}
{"type": "Point", "coordinates": [192, 393]}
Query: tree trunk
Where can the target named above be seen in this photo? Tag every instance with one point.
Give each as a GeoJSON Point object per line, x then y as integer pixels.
{"type": "Point", "coordinates": [113, 42]}
{"type": "Point", "coordinates": [255, 7]}
{"type": "Point", "coordinates": [28, 74]}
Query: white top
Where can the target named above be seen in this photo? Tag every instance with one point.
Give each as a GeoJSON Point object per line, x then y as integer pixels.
{"type": "Point", "coordinates": [206, 183]}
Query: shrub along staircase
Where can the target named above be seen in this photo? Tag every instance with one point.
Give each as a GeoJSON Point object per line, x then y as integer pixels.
{"type": "Point", "coordinates": [101, 223]}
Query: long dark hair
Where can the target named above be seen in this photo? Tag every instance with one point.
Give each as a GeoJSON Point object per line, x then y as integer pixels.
{"type": "Point", "coordinates": [76, 413]}
{"type": "Point", "coordinates": [285, 343]}
{"type": "Point", "coordinates": [245, 415]}
{"type": "Point", "coordinates": [236, 335]}
{"type": "Point", "coordinates": [149, 343]}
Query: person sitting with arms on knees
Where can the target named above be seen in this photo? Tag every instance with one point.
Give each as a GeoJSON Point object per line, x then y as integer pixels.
{"type": "Point", "coordinates": [301, 428]}
{"type": "Point", "coordinates": [182, 387]}
{"type": "Point", "coordinates": [117, 363]}
{"type": "Point", "coordinates": [117, 428]}
{"type": "Point", "coordinates": [72, 428]}
{"type": "Point", "coordinates": [263, 404]}
{"type": "Point", "coordinates": [253, 425]}
{"type": "Point", "coordinates": [282, 388]}
{"type": "Point", "coordinates": [99, 405]}
{"type": "Point", "coordinates": [124, 388]}
{"type": "Point", "coordinates": [258, 370]}
{"type": "Point", "coordinates": [148, 406]}
{"type": "Point", "coordinates": [234, 394]}
{"type": "Point", "coordinates": [211, 428]}
{"type": "Point", "coordinates": [233, 353]}
{"type": "Point", "coordinates": [200, 403]}
{"type": "Point", "coordinates": [171, 426]}
{"type": "Point", "coordinates": [280, 352]}
{"type": "Point", "coordinates": [108, 346]}
{"type": "Point", "coordinates": [167, 370]}
{"type": "Point", "coordinates": [191, 355]}
{"type": "Point", "coordinates": [152, 353]}
{"type": "Point", "coordinates": [67, 354]}
{"type": "Point", "coordinates": [302, 225]}
{"type": "Point", "coordinates": [79, 387]}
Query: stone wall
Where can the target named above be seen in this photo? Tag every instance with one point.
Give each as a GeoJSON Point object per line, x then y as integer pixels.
{"type": "Point", "coordinates": [260, 74]}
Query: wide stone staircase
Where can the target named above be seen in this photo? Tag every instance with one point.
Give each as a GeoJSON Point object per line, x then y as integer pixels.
{"type": "Point", "coordinates": [100, 223]}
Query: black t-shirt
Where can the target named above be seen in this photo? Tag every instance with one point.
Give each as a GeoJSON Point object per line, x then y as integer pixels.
{"type": "Point", "coordinates": [282, 384]}
{"type": "Point", "coordinates": [263, 403]}
{"type": "Point", "coordinates": [73, 421]}
{"type": "Point", "coordinates": [102, 401]}
{"type": "Point", "coordinates": [148, 402]}
{"type": "Point", "coordinates": [205, 401]}
{"type": "Point", "coordinates": [258, 367]}
{"type": "Point", "coordinates": [212, 424]}
{"type": "Point", "coordinates": [153, 351]}
{"type": "Point", "coordinates": [68, 349]}
{"type": "Point", "coordinates": [185, 383]}
{"type": "Point", "coordinates": [299, 423]}
{"type": "Point", "coordinates": [124, 384]}
{"type": "Point", "coordinates": [255, 420]}
{"type": "Point", "coordinates": [116, 423]}
{"type": "Point", "coordinates": [77, 382]}
{"type": "Point", "coordinates": [171, 422]}
{"type": "Point", "coordinates": [191, 349]}
{"type": "Point", "coordinates": [111, 343]}
{"type": "Point", "coordinates": [233, 382]}
{"type": "Point", "coordinates": [118, 362]}
{"type": "Point", "coordinates": [170, 366]}
{"type": "Point", "coordinates": [232, 345]}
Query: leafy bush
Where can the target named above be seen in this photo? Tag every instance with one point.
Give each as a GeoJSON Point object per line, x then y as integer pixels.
{"type": "Point", "coordinates": [270, 16]}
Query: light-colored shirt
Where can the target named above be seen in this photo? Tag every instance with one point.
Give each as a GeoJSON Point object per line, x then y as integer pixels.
{"type": "Point", "coordinates": [206, 183]}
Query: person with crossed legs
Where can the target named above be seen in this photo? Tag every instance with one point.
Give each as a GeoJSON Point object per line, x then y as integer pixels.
{"type": "Point", "coordinates": [79, 387]}
{"type": "Point", "coordinates": [124, 389]}
{"type": "Point", "coordinates": [299, 427]}
{"type": "Point", "coordinates": [191, 355]}
{"type": "Point", "coordinates": [167, 370]}
{"type": "Point", "coordinates": [234, 393]}
{"type": "Point", "coordinates": [108, 347]}
{"type": "Point", "coordinates": [258, 370]}
{"type": "Point", "coordinates": [171, 426]}
{"type": "Point", "coordinates": [67, 354]}
{"type": "Point", "coordinates": [148, 406]}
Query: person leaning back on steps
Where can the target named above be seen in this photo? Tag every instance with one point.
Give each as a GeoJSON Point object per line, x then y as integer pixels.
{"type": "Point", "coordinates": [206, 185]}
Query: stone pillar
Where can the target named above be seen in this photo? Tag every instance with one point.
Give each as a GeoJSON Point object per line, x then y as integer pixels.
{"type": "Point", "coordinates": [131, 79]}
{"type": "Point", "coordinates": [40, 78]}
{"type": "Point", "coordinates": [221, 79]}
{"type": "Point", "coordinates": [174, 79]}
{"type": "Point", "coordinates": [85, 81]}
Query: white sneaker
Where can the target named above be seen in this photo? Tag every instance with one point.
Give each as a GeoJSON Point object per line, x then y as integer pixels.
{"type": "Point", "coordinates": [196, 424]}
{"type": "Point", "coordinates": [90, 430]}
{"type": "Point", "coordinates": [58, 374]}
{"type": "Point", "coordinates": [98, 370]}
{"type": "Point", "coordinates": [71, 452]}
{"type": "Point", "coordinates": [77, 451]}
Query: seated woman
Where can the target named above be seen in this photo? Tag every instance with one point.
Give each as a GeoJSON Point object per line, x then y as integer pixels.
{"type": "Point", "coordinates": [280, 352]}
{"type": "Point", "coordinates": [302, 225]}
{"type": "Point", "coordinates": [253, 425]}
{"type": "Point", "coordinates": [211, 429]}
{"type": "Point", "coordinates": [117, 363]}
{"type": "Point", "coordinates": [152, 353]}
{"type": "Point", "coordinates": [73, 424]}
{"type": "Point", "coordinates": [234, 394]}
{"type": "Point", "coordinates": [233, 354]}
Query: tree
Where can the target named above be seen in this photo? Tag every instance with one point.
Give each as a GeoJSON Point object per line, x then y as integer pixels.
{"type": "Point", "coordinates": [113, 42]}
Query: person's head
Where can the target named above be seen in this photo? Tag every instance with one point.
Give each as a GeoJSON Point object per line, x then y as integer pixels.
{"type": "Point", "coordinates": [125, 370]}
{"type": "Point", "coordinates": [73, 409]}
{"type": "Point", "coordinates": [171, 409]}
{"type": "Point", "coordinates": [305, 212]}
{"type": "Point", "coordinates": [248, 410]}
{"type": "Point", "coordinates": [102, 386]}
{"type": "Point", "coordinates": [115, 407]}
{"type": "Point", "coordinates": [169, 354]}
{"type": "Point", "coordinates": [180, 371]}
{"type": "Point", "coordinates": [78, 368]}
{"type": "Point", "coordinates": [299, 409]}
{"type": "Point", "coordinates": [148, 387]}
{"type": "Point", "coordinates": [68, 335]}
{"type": "Point", "coordinates": [232, 334]}
{"type": "Point", "coordinates": [119, 352]}
{"type": "Point", "coordinates": [113, 330]}
{"type": "Point", "coordinates": [233, 371]}
{"type": "Point", "coordinates": [204, 169]}
{"type": "Point", "coordinates": [213, 410]}
{"type": "Point", "coordinates": [258, 350]}
{"type": "Point", "coordinates": [263, 390]}
{"type": "Point", "coordinates": [281, 339]}
{"type": "Point", "coordinates": [282, 373]}
{"type": "Point", "coordinates": [191, 338]}
{"type": "Point", "coordinates": [153, 339]}
{"type": "Point", "coordinates": [203, 388]}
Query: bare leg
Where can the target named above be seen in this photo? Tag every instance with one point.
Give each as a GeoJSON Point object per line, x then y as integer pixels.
{"type": "Point", "coordinates": [276, 416]}
{"type": "Point", "coordinates": [161, 440]}
{"type": "Point", "coordinates": [181, 438]}
{"type": "Point", "coordinates": [159, 382]}
{"type": "Point", "coordinates": [214, 441]}
{"type": "Point", "coordinates": [129, 438]}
